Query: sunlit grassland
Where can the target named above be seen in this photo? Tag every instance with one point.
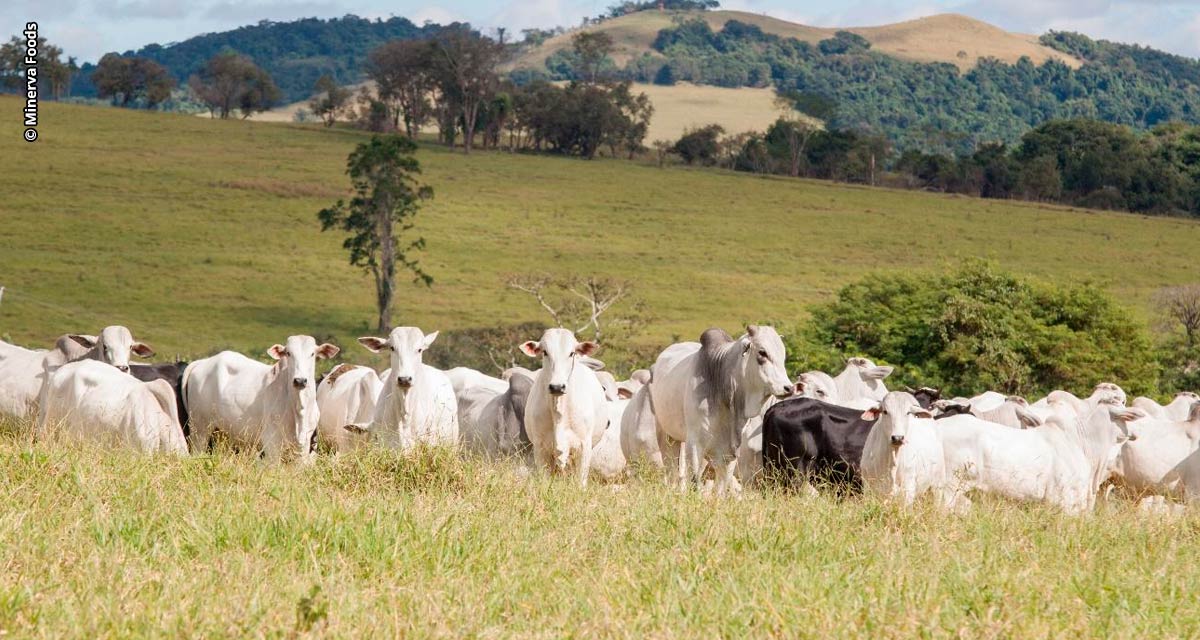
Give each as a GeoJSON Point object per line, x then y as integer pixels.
{"type": "Point", "coordinates": [201, 234]}
{"type": "Point", "coordinates": [108, 544]}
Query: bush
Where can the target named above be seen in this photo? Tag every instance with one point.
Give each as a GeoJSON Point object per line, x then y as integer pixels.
{"type": "Point", "coordinates": [700, 145]}
{"type": "Point", "coordinates": [665, 76]}
{"type": "Point", "coordinates": [978, 328]}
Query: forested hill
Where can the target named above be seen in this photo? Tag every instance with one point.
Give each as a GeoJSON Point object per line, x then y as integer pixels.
{"type": "Point", "coordinates": [294, 53]}
{"type": "Point", "coordinates": [922, 105]}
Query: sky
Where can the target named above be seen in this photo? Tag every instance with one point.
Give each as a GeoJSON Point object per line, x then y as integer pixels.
{"type": "Point", "coordinates": [89, 28]}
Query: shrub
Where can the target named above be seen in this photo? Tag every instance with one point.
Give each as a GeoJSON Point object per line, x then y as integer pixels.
{"type": "Point", "coordinates": [977, 328]}
{"type": "Point", "coordinates": [700, 145]}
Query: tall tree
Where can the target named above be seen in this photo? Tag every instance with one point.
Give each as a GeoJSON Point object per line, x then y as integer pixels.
{"type": "Point", "coordinates": [380, 216]}
{"type": "Point", "coordinates": [402, 71]}
{"type": "Point", "coordinates": [127, 80]}
{"type": "Point", "coordinates": [592, 48]}
{"type": "Point", "coordinates": [329, 99]}
{"type": "Point", "coordinates": [466, 63]}
{"type": "Point", "coordinates": [230, 81]}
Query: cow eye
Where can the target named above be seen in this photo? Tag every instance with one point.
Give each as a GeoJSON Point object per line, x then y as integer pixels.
{"type": "Point", "coordinates": [762, 353]}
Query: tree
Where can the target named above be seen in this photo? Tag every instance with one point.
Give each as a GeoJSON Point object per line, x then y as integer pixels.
{"type": "Point", "coordinates": [56, 73]}
{"type": "Point", "coordinates": [380, 216]}
{"type": "Point", "coordinates": [574, 302]}
{"type": "Point", "coordinates": [665, 76]}
{"type": "Point", "coordinates": [1181, 305]}
{"type": "Point", "coordinates": [230, 81]}
{"type": "Point", "coordinates": [128, 80]}
{"type": "Point", "coordinates": [330, 99]}
{"type": "Point", "coordinates": [592, 49]}
{"type": "Point", "coordinates": [977, 328]}
{"type": "Point", "coordinates": [466, 64]}
{"type": "Point", "coordinates": [700, 145]}
{"type": "Point", "coordinates": [403, 75]}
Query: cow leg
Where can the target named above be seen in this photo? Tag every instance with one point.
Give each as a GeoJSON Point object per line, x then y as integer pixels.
{"type": "Point", "coordinates": [695, 463]}
{"type": "Point", "coordinates": [200, 438]}
{"type": "Point", "coordinates": [585, 463]}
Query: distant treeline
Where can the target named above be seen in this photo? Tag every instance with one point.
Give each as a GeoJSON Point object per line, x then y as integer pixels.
{"type": "Point", "coordinates": [1079, 162]}
{"type": "Point", "coordinates": [295, 54]}
{"type": "Point", "coordinates": [927, 106]}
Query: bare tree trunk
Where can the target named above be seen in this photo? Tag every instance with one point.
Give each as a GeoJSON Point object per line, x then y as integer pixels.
{"type": "Point", "coordinates": [385, 280]}
{"type": "Point", "coordinates": [470, 110]}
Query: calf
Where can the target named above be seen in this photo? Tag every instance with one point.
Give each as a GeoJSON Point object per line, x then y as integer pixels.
{"type": "Point", "coordinates": [566, 407]}
{"type": "Point", "coordinates": [271, 408]}
{"type": "Point", "coordinates": [92, 401]}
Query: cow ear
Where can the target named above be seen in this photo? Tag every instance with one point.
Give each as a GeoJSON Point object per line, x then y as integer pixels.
{"type": "Point", "coordinates": [84, 341]}
{"type": "Point", "coordinates": [751, 330]}
{"type": "Point", "coordinates": [531, 349]}
{"type": "Point", "coordinates": [372, 343]}
{"type": "Point", "coordinates": [624, 394]}
{"type": "Point", "coordinates": [277, 351]}
{"type": "Point", "coordinates": [327, 351]}
{"type": "Point", "coordinates": [871, 414]}
{"type": "Point", "coordinates": [429, 338]}
{"type": "Point", "coordinates": [586, 348]}
{"type": "Point", "coordinates": [142, 349]}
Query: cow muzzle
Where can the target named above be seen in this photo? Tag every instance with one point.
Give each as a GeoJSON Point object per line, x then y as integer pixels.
{"type": "Point", "coordinates": [299, 383]}
{"type": "Point", "coordinates": [786, 391]}
{"type": "Point", "coordinates": [123, 368]}
{"type": "Point", "coordinates": [897, 441]}
{"type": "Point", "coordinates": [404, 382]}
{"type": "Point", "coordinates": [557, 389]}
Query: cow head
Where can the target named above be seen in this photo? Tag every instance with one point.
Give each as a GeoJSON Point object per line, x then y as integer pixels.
{"type": "Point", "coordinates": [406, 347]}
{"type": "Point", "coordinates": [296, 365]}
{"type": "Point", "coordinates": [560, 352]}
{"type": "Point", "coordinates": [764, 359]}
{"type": "Point", "coordinates": [113, 346]}
{"type": "Point", "coordinates": [868, 370]}
{"type": "Point", "coordinates": [894, 413]}
{"type": "Point", "coordinates": [817, 385]}
{"type": "Point", "coordinates": [1108, 390]}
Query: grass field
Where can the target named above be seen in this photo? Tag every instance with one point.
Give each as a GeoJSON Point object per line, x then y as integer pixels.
{"type": "Point", "coordinates": [103, 544]}
{"type": "Point", "coordinates": [201, 234]}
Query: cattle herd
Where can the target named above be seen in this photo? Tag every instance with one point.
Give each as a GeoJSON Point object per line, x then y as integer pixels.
{"type": "Point", "coordinates": [719, 414]}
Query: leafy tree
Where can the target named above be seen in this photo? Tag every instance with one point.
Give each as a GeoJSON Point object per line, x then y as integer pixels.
{"type": "Point", "coordinates": [700, 145]}
{"type": "Point", "coordinates": [403, 75]}
{"type": "Point", "coordinates": [130, 80]}
{"type": "Point", "coordinates": [380, 216]}
{"type": "Point", "coordinates": [591, 48]}
{"type": "Point", "coordinates": [665, 76]}
{"type": "Point", "coordinates": [329, 99]}
{"type": "Point", "coordinates": [466, 65]}
{"type": "Point", "coordinates": [51, 68]}
{"type": "Point", "coordinates": [230, 81]}
{"type": "Point", "coordinates": [977, 328]}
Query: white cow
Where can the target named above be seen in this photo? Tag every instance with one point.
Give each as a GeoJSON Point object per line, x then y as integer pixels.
{"type": "Point", "coordinates": [1176, 411]}
{"type": "Point", "coordinates": [817, 385]}
{"type": "Point", "coordinates": [92, 401]}
{"type": "Point", "coordinates": [23, 373]}
{"type": "Point", "coordinates": [860, 384]}
{"type": "Point", "coordinates": [463, 378]}
{"type": "Point", "coordinates": [1067, 401]}
{"type": "Point", "coordinates": [1062, 463]}
{"type": "Point", "coordinates": [704, 393]}
{"type": "Point", "coordinates": [1163, 460]}
{"type": "Point", "coordinates": [1010, 411]}
{"type": "Point", "coordinates": [272, 408]}
{"type": "Point", "coordinates": [347, 395]}
{"type": "Point", "coordinates": [902, 457]}
{"type": "Point", "coordinates": [417, 405]}
{"type": "Point", "coordinates": [608, 455]}
{"type": "Point", "coordinates": [566, 406]}
{"type": "Point", "coordinates": [493, 424]}
{"type": "Point", "coordinates": [641, 439]}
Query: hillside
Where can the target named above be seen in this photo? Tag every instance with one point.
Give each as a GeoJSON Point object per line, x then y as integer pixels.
{"type": "Point", "coordinates": [951, 38]}
{"type": "Point", "coordinates": [202, 234]}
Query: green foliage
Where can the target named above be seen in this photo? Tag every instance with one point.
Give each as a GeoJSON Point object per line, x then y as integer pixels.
{"type": "Point", "coordinates": [132, 81]}
{"type": "Point", "coordinates": [699, 145]}
{"type": "Point", "coordinates": [624, 8]}
{"type": "Point", "coordinates": [580, 118]}
{"type": "Point", "coordinates": [295, 53]}
{"type": "Point", "coordinates": [231, 82]}
{"type": "Point", "coordinates": [977, 328]}
{"type": "Point", "coordinates": [329, 100]}
{"type": "Point", "coordinates": [933, 106]}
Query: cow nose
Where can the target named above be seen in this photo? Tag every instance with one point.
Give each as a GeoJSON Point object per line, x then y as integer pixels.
{"type": "Point", "coordinates": [1132, 437]}
{"type": "Point", "coordinates": [123, 368]}
{"type": "Point", "coordinates": [404, 382]}
{"type": "Point", "coordinates": [558, 389]}
{"type": "Point", "coordinates": [788, 389]}
{"type": "Point", "coordinates": [897, 440]}
{"type": "Point", "coordinates": [299, 383]}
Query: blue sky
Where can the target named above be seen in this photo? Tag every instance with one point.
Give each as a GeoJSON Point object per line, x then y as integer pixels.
{"type": "Point", "coordinates": [88, 28]}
